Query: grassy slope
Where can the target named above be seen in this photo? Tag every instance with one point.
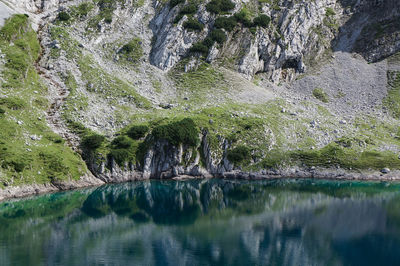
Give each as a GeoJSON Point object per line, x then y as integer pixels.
{"type": "Point", "coordinates": [274, 138]}
{"type": "Point", "coordinates": [29, 151]}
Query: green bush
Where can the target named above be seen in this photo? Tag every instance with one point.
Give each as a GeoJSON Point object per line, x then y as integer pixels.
{"type": "Point", "coordinates": [329, 12]}
{"type": "Point", "coordinates": [208, 42]}
{"type": "Point", "coordinates": [262, 21]}
{"type": "Point", "coordinates": [2, 111]}
{"type": "Point", "coordinates": [121, 142]}
{"type": "Point", "coordinates": [238, 154]}
{"type": "Point", "coordinates": [119, 155]}
{"type": "Point", "coordinates": [192, 24]}
{"type": "Point", "coordinates": [107, 8]}
{"type": "Point", "coordinates": [199, 48]}
{"type": "Point", "coordinates": [137, 132]}
{"type": "Point", "coordinates": [189, 9]}
{"type": "Point", "coordinates": [84, 9]}
{"type": "Point", "coordinates": [184, 131]}
{"type": "Point", "coordinates": [243, 16]}
{"type": "Point", "coordinates": [220, 6]}
{"type": "Point", "coordinates": [274, 159]}
{"type": "Point", "coordinates": [320, 95]}
{"type": "Point", "coordinates": [133, 50]}
{"type": "Point", "coordinates": [93, 142]}
{"type": "Point", "coordinates": [123, 149]}
{"type": "Point", "coordinates": [227, 23]}
{"type": "Point", "coordinates": [218, 35]}
{"type": "Point", "coordinates": [174, 3]}
{"type": "Point", "coordinates": [63, 16]}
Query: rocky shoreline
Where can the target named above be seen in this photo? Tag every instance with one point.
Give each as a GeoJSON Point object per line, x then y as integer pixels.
{"type": "Point", "coordinates": [90, 181]}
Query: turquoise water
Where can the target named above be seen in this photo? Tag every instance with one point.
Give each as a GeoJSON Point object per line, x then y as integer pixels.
{"type": "Point", "coordinates": [207, 222]}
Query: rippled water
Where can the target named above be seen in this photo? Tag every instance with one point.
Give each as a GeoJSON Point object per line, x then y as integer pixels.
{"type": "Point", "coordinates": [207, 222]}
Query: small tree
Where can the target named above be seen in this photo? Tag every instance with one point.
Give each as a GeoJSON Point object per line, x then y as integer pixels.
{"type": "Point", "coordinates": [93, 142]}
{"type": "Point", "coordinates": [63, 16]}
{"type": "Point", "coordinates": [199, 48]}
{"type": "Point", "coordinates": [218, 36]}
{"type": "Point", "coordinates": [193, 24]}
{"type": "Point", "coordinates": [238, 154]}
{"type": "Point", "coordinates": [227, 23]}
{"type": "Point", "coordinates": [262, 21]}
{"type": "Point", "coordinates": [137, 132]}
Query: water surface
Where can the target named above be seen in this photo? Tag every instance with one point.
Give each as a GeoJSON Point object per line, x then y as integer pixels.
{"type": "Point", "coordinates": [207, 222]}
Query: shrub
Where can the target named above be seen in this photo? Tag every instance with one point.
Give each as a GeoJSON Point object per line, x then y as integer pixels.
{"type": "Point", "coordinates": [2, 111]}
{"type": "Point", "coordinates": [226, 5]}
{"type": "Point", "coordinates": [108, 17]}
{"type": "Point", "coordinates": [188, 9]}
{"type": "Point", "coordinates": [174, 3]}
{"type": "Point", "coordinates": [84, 9]}
{"type": "Point", "coordinates": [219, 6]}
{"type": "Point", "coordinates": [123, 149]}
{"type": "Point", "coordinates": [320, 95]}
{"type": "Point", "coordinates": [199, 48]}
{"type": "Point", "coordinates": [121, 142]}
{"type": "Point", "coordinates": [330, 12]}
{"type": "Point", "coordinates": [218, 36]}
{"type": "Point", "coordinates": [243, 17]}
{"type": "Point", "coordinates": [208, 42]}
{"type": "Point", "coordinates": [227, 23]}
{"type": "Point", "coordinates": [138, 132]}
{"type": "Point", "coordinates": [262, 21]}
{"type": "Point", "coordinates": [63, 16]}
{"type": "Point", "coordinates": [184, 131]}
{"type": "Point", "coordinates": [119, 155]}
{"type": "Point", "coordinates": [238, 154]}
{"type": "Point", "coordinates": [133, 50]}
{"type": "Point", "coordinates": [192, 24]}
{"type": "Point", "coordinates": [93, 142]}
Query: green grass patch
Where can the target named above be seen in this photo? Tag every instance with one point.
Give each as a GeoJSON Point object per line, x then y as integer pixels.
{"type": "Point", "coordinates": [100, 82]}
{"type": "Point", "coordinates": [392, 100]}
{"type": "Point", "coordinates": [321, 95]}
{"type": "Point", "coordinates": [184, 131]}
{"type": "Point", "coordinates": [132, 51]}
{"type": "Point", "coordinates": [29, 151]}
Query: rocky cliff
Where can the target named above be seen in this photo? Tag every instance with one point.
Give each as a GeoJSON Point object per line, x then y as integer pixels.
{"type": "Point", "coordinates": [155, 89]}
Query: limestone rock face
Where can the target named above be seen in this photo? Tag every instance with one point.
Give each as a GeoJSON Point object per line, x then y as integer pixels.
{"type": "Point", "coordinates": [172, 42]}
{"type": "Point", "coordinates": [299, 33]}
{"type": "Point", "coordinates": [34, 6]}
{"type": "Point", "coordinates": [264, 52]}
{"type": "Point", "coordinates": [164, 160]}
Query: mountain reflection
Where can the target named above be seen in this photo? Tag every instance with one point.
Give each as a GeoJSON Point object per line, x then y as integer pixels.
{"type": "Point", "coordinates": [206, 222]}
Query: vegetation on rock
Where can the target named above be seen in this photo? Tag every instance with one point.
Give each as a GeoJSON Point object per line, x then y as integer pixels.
{"type": "Point", "coordinates": [29, 151]}
{"type": "Point", "coordinates": [321, 95]}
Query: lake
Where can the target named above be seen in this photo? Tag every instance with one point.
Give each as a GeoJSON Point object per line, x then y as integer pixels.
{"type": "Point", "coordinates": [207, 222]}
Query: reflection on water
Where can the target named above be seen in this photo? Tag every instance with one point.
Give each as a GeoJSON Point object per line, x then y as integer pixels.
{"type": "Point", "coordinates": [207, 222]}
